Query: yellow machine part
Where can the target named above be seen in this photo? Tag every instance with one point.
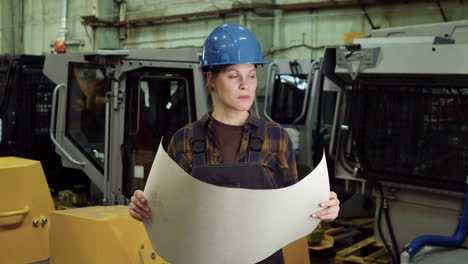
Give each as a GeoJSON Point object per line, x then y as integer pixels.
{"type": "Point", "coordinates": [107, 234]}
{"type": "Point", "coordinates": [25, 207]}
{"type": "Point", "coordinates": [99, 234]}
{"type": "Point", "coordinates": [297, 252]}
{"type": "Point", "coordinates": [348, 37]}
{"type": "Point", "coordinates": [102, 234]}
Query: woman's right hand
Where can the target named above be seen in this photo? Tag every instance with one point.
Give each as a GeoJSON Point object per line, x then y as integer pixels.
{"type": "Point", "coordinates": [138, 207]}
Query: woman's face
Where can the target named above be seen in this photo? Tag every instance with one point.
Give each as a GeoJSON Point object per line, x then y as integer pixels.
{"type": "Point", "coordinates": [234, 86]}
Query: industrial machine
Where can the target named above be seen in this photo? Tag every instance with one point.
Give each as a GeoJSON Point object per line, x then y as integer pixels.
{"type": "Point", "coordinates": [291, 99]}
{"type": "Point", "coordinates": [302, 96]}
{"type": "Point", "coordinates": [401, 131]}
{"type": "Point", "coordinates": [117, 104]}
{"type": "Point", "coordinates": [25, 95]}
{"type": "Point", "coordinates": [390, 110]}
{"type": "Point", "coordinates": [25, 111]}
{"type": "Point", "coordinates": [112, 108]}
{"type": "Point", "coordinates": [31, 230]}
{"type": "Point", "coordinates": [455, 30]}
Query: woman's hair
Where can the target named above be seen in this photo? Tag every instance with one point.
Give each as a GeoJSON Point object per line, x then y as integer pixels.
{"type": "Point", "coordinates": [215, 70]}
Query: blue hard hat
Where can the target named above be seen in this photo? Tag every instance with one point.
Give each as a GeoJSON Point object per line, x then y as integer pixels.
{"type": "Point", "coordinates": [230, 44]}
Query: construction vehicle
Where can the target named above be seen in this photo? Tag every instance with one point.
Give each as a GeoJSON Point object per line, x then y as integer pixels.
{"type": "Point", "coordinates": [390, 111]}
{"type": "Point", "coordinates": [292, 96]}
{"type": "Point", "coordinates": [25, 109]}
{"type": "Point", "coordinates": [109, 112]}
{"type": "Point", "coordinates": [400, 133]}
{"type": "Point", "coordinates": [102, 107]}
{"type": "Point", "coordinates": [302, 97]}
{"type": "Point", "coordinates": [114, 107]}
{"type": "Point", "coordinates": [286, 98]}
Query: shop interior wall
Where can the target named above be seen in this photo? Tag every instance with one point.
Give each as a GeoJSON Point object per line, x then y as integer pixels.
{"type": "Point", "coordinates": [31, 26]}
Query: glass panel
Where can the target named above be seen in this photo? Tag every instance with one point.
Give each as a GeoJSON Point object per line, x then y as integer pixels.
{"type": "Point", "coordinates": [326, 114]}
{"type": "Point", "coordinates": [5, 73]}
{"type": "Point", "coordinates": [159, 101]}
{"type": "Point", "coordinates": [288, 98]}
{"type": "Point", "coordinates": [86, 111]}
{"type": "Point", "coordinates": [1, 130]}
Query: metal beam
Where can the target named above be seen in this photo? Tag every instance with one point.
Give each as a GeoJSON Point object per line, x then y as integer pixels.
{"type": "Point", "coordinates": [238, 8]}
{"type": "Point", "coordinates": [93, 21]}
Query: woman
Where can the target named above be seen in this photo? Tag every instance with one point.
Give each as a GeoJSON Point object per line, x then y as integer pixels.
{"type": "Point", "coordinates": [230, 146]}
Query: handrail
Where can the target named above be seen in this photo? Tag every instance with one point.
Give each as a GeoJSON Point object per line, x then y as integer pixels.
{"type": "Point", "coordinates": [52, 127]}
{"type": "Point", "coordinates": [270, 75]}
{"type": "Point", "coordinates": [306, 96]}
{"type": "Point", "coordinates": [138, 107]}
{"type": "Point", "coordinates": [17, 212]}
{"type": "Point", "coordinates": [335, 122]}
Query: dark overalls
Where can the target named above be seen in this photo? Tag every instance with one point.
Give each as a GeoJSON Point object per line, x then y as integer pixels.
{"type": "Point", "coordinates": [249, 174]}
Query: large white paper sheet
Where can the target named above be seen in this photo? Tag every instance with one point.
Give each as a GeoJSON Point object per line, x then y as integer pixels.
{"type": "Point", "coordinates": [198, 223]}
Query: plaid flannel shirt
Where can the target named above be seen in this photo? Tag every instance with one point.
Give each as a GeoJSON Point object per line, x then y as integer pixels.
{"type": "Point", "coordinates": [277, 156]}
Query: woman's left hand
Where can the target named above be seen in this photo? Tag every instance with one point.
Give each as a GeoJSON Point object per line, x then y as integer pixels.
{"type": "Point", "coordinates": [330, 209]}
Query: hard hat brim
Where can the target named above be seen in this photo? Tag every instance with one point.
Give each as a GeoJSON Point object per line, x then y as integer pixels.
{"type": "Point", "coordinates": [206, 68]}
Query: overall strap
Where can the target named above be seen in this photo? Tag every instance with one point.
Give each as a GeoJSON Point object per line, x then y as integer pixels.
{"type": "Point", "coordinates": [198, 142]}
{"type": "Point", "coordinates": [256, 142]}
